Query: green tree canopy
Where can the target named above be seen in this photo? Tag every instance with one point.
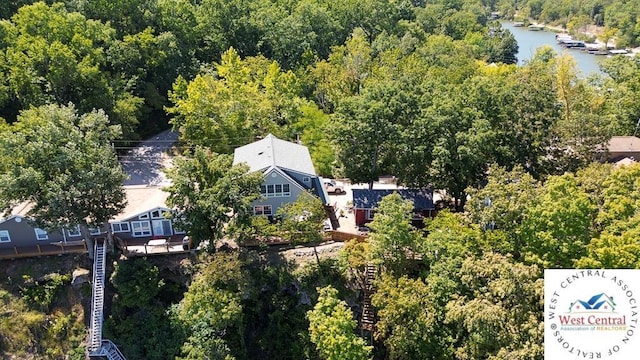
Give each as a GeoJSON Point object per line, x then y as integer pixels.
{"type": "Point", "coordinates": [558, 226]}
{"type": "Point", "coordinates": [498, 313]}
{"type": "Point", "coordinates": [332, 329]}
{"type": "Point", "coordinates": [407, 322]}
{"type": "Point", "coordinates": [210, 195]}
{"type": "Point", "coordinates": [394, 241]}
{"type": "Point", "coordinates": [62, 163]}
{"type": "Point", "coordinates": [211, 310]}
{"type": "Point", "coordinates": [242, 100]}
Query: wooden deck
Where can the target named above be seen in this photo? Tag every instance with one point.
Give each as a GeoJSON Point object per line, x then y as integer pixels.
{"type": "Point", "coordinates": [45, 249]}
{"type": "Point", "coordinates": [141, 247]}
{"type": "Point", "coordinates": [151, 246]}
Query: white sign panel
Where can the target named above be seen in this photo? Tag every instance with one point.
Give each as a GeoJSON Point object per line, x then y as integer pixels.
{"type": "Point", "coordinates": [591, 314]}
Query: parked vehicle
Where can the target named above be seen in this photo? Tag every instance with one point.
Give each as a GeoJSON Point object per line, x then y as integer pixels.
{"type": "Point", "coordinates": [332, 187]}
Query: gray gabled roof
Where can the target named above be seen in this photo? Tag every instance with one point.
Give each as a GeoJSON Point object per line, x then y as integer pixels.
{"type": "Point", "coordinates": [370, 199]}
{"type": "Point", "coordinates": [272, 151]}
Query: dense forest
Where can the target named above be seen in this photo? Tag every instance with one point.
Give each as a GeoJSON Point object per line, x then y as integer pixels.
{"type": "Point", "coordinates": [427, 91]}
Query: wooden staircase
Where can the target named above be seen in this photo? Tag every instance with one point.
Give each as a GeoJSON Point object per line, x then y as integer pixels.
{"type": "Point", "coordinates": [368, 320]}
{"type": "Point", "coordinates": [99, 348]}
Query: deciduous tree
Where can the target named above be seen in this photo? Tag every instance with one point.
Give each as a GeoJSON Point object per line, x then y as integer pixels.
{"type": "Point", "coordinates": [498, 312]}
{"type": "Point", "coordinates": [210, 195]}
{"type": "Point", "coordinates": [211, 310]}
{"type": "Point", "coordinates": [63, 164]}
{"type": "Point", "coordinates": [332, 329]}
{"type": "Point", "coordinates": [394, 241]}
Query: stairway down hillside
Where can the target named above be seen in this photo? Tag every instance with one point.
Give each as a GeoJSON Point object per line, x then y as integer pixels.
{"type": "Point", "coordinates": [368, 320]}
{"type": "Point", "coordinates": [99, 348]}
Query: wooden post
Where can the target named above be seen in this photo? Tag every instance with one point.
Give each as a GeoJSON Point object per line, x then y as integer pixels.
{"type": "Point", "coordinates": [15, 249]}
{"type": "Point", "coordinates": [62, 246]}
{"type": "Point", "coordinates": [39, 251]}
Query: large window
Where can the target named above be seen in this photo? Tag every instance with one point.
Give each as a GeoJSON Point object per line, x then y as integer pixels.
{"type": "Point", "coordinates": [262, 210]}
{"type": "Point", "coordinates": [4, 236]}
{"type": "Point", "coordinates": [41, 234]}
{"type": "Point", "coordinates": [141, 228]}
{"type": "Point", "coordinates": [275, 190]}
{"type": "Point", "coordinates": [120, 227]}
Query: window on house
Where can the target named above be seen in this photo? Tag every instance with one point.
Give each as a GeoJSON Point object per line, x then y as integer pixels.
{"type": "Point", "coordinates": [306, 179]}
{"type": "Point", "coordinates": [262, 210]}
{"type": "Point", "coordinates": [120, 227]}
{"type": "Point", "coordinates": [41, 234]}
{"type": "Point", "coordinates": [157, 214]}
{"type": "Point", "coordinates": [143, 216]}
{"type": "Point", "coordinates": [275, 190]}
{"type": "Point", "coordinates": [74, 231]}
{"type": "Point", "coordinates": [141, 228]}
{"type": "Point", "coordinates": [4, 236]}
{"type": "Point", "coordinates": [177, 230]}
{"type": "Point", "coordinates": [94, 231]}
{"type": "Point", "coordinates": [370, 214]}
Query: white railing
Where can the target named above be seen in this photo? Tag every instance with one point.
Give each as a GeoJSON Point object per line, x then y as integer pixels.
{"type": "Point", "coordinates": [97, 299]}
{"type": "Point", "coordinates": [97, 346]}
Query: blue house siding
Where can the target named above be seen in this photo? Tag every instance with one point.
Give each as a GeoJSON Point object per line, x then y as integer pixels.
{"type": "Point", "coordinates": [21, 232]}
{"type": "Point", "coordinates": [278, 199]}
{"type": "Point", "coordinates": [281, 162]}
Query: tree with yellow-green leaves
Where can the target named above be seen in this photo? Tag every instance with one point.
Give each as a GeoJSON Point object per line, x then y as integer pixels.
{"type": "Point", "coordinates": [332, 329]}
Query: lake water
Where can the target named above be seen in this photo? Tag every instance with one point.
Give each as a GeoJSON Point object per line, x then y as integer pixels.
{"type": "Point", "coordinates": [529, 41]}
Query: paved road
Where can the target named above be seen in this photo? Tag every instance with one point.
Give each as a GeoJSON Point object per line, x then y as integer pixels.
{"type": "Point", "coordinates": [145, 163]}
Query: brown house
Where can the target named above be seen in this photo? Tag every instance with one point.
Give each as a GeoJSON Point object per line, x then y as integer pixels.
{"type": "Point", "coordinates": [620, 148]}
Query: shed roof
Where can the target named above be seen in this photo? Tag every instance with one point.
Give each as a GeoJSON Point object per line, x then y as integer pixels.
{"type": "Point", "coordinates": [272, 151]}
{"type": "Point", "coordinates": [369, 199]}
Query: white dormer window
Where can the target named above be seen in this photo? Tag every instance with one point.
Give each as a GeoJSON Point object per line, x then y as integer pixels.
{"type": "Point", "coordinates": [143, 216]}
{"type": "Point", "coordinates": [156, 214]}
{"type": "Point", "coordinates": [4, 236]}
{"type": "Point", "coordinates": [74, 231]}
{"type": "Point", "coordinates": [41, 234]}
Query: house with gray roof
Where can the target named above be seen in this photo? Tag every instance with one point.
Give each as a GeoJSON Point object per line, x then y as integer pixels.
{"type": "Point", "coordinates": [287, 169]}
{"type": "Point", "coordinates": [366, 201]}
{"type": "Point", "coordinates": [626, 148]}
{"type": "Point", "coordinates": [143, 218]}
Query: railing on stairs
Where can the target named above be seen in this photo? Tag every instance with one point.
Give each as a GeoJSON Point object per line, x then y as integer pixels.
{"type": "Point", "coordinates": [99, 348]}
{"type": "Point", "coordinates": [97, 299]}
{"type": "Point", "coordinates": [110, 351]}
{"type": "Point", "coordinates": [368, 320]}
